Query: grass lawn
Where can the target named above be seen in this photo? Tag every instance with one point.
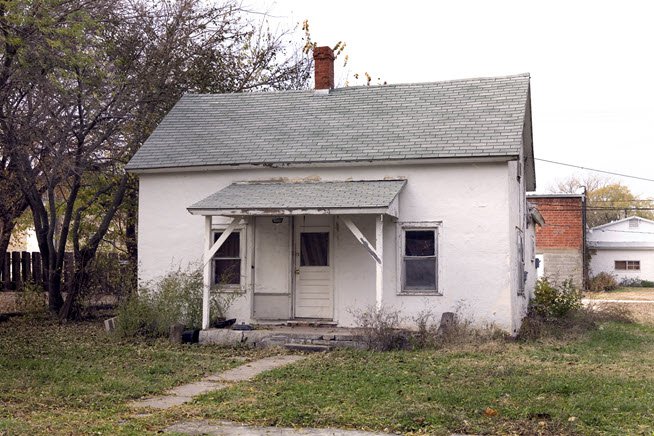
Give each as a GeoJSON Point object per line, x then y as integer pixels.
{"type": "Point", "coordinates": [76, 379]}
{"type": "Point", "coordinates": [602, 383]}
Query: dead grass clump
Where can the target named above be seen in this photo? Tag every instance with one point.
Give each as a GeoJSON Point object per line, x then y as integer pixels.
{"type": "Point", "coordinates": [574, 324]}
{"type": "Point", "coordinates": [380, 328]}
{"type": "Point", "coordinates": [455, 332]}
{"type": "Point", "coordinates": [611, 312]}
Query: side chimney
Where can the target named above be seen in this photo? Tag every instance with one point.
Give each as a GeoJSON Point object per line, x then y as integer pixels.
{"type": "Point", "coordinates": [323, 59]}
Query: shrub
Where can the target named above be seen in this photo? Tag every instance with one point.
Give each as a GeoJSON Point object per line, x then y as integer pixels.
{"type": "Point", "coordinates": [174, 298]}
{"type": "Point", "coordinates": [554, 300]}
{"type": "Point", "coordinates": [380, 328]}
{"type": "Point", "coordinates": [635, 282]}
{"type": "Point", "coordinates": [574, 324]}
{"type": "Point", "coordinates": [426, 330]}
{"type": "Point", "coordinates": [603, 282]}
{"type": "Point", "coordinates": [31, 299]}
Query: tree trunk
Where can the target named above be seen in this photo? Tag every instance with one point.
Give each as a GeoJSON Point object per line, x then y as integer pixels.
{"type": "Point", "coordinates": [5, 237]}
{"type": "Point", "coordinates": [84, 256]}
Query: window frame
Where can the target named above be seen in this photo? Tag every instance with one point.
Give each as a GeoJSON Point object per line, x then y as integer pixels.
{"type": "Point", "coordinates": [240, 287]}
{"type": "Point", "coordinates": [521, 263]}
{"type": "Point", "coordinates": [436, 227]}
{"type": "Point", "coordinates": [627, 266]}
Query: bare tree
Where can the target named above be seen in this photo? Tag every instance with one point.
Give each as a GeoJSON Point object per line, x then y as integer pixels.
{"type": "Point", "coordinates": [607, 200]}
{"type": "Point", "coordinates": [98, 94]}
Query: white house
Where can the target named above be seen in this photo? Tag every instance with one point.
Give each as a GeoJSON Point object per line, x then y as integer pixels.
{"type": "Point", "coordinates": [624, 248]}
{"type": "Point", "coordinates": [313, 204]}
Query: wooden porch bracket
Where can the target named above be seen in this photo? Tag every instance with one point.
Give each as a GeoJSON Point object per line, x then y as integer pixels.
{"type": "Point", "coordinates": [376, 252]}
{"type": "Point", "coordinates": [210, 250]}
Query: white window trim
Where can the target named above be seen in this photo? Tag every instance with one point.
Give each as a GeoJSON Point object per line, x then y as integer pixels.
{"type": "Point", "coordinates": [627, 269]}
{"type": "Point", "coordinates": [240, 288]}
{"type": "Point", "coordinates": [437, 227]}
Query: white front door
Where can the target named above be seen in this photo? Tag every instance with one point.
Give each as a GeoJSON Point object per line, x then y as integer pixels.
{"type": "Point", "coordinates": [314, 291]}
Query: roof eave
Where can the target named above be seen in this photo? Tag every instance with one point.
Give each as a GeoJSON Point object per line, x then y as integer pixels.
{"type": "Point", "coordinates": [370, 162]}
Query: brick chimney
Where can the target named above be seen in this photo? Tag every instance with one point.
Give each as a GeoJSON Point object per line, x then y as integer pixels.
{"type": "Point", "coordinates": [323, 59]}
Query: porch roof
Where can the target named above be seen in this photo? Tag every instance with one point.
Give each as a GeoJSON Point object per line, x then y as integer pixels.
{"type": "Point", "coordinates": [302, 198]}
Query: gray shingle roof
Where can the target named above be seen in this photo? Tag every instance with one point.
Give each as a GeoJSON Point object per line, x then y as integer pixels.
{"type": "Point", "coordinates": [314, 195]}
{"type": "Point", "coordinates": [463, 118]}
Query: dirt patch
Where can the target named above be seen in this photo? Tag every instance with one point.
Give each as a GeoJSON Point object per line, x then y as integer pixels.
{"type": "Point", "coordinates": [623, 294]}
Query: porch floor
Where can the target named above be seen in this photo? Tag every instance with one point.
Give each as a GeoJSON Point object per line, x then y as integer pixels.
{"type": "Point", "coordinates": [280, 335]}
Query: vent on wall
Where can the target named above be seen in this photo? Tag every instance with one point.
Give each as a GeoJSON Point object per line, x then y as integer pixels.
{"type": "Point", "coordinates": [633, 224]}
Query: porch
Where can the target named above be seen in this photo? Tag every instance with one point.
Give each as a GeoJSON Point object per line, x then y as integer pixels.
{"type": "Point", "coordinates": [275, 243]}
{"type": "Point", "coordinates": [292, 337]}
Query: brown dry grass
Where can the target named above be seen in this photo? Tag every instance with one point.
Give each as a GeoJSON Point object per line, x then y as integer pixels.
{"type": "Point", "coordinates": [645, 294]}
{"type": "Point", "coordinates": [642, 313]}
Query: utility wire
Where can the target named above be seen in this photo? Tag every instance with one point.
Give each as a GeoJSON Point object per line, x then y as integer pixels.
{"type": "Point", "coordinates": [595, 170]}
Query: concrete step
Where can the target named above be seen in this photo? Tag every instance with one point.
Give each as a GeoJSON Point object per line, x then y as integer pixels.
{"type": "Point", "coordinates": [308, 348]}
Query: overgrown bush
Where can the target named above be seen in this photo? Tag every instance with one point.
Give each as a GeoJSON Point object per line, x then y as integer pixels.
{"type": "Point", "coordinates": [380, 328]}
{"type": "Point", "coordinates": [603, 282]}
{"type": "Point", "coordinates": [555, 300]}
{"type": "Point", "coordinates": [556, 311]}
{"type": "Point", "coordinates": [426, 329]}
{"type": "Point", "coordinates": [31, 299]}
{"type": "Point", "coordinates": [110, 280]}
{"type": "Point", "coordinates": [174, 298]}
{"type": "Point", "coordinates": [635, 282]}
{"type": "Point", "coordinates": [575, 323]}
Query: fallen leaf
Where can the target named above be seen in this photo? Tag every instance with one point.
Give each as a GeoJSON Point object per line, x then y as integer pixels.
{"type": "Point", "coordinates": [489, 411]}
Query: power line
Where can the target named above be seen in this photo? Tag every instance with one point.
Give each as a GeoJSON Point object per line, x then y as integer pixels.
{"type": "Point", "coordinates": [595, 170]}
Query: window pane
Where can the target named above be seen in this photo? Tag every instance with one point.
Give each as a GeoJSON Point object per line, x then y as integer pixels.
{"type": "Point", "coordinates": [620, 264]}
{"type": "Point", "coordinates": [227, 271]}
{"type": "Point", "coordinates": [314, 249]}
{"type": "Point", "coordinates": [231, 247]}
{"type": "Point", "coordinates": [420, 274]}
{"type": "Point", "coordinates": [419, 243]}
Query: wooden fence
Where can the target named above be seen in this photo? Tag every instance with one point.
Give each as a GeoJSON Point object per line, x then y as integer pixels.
{"type": "Point", "coordinates": [22, 266]}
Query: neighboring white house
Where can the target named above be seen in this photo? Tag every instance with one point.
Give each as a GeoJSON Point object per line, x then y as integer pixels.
{"type": "Point", "coordinates": [314, 204]}
{"type": "Point", "coordinates": [624, 248]}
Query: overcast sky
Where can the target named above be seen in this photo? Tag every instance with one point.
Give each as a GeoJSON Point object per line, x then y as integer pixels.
{"type": "Point", "coordinates": [591, 65]}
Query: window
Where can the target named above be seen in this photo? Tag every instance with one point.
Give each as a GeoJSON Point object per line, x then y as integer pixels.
{"type": "Point", "coordinates": [227, 260]}
{"type": "Point", "coordinates": [419, 260]}
{"type": "Point", "coordinates": [314, 249]}
{"type": "Point", "coordinates": [522, 277]}
{"type": "Point", "coordinates": [627, 265]}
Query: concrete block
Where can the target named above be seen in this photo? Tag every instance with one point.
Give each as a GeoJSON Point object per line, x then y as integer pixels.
{"type": "Point", "coordinates": [110, 324]}
{"type": "Point", "coordinates": [221, 337]}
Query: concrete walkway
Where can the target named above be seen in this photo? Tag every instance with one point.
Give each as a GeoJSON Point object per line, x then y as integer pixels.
{"type": "Point", "coordinates": [185, 393]}
{"type": "Point", "coordinates": [231, 428]}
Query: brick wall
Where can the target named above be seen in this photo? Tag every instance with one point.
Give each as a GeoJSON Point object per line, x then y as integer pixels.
{"type": "Point", "coordinates": [563, 222]}
{"type": "Point", "coordinates": [561, 239]}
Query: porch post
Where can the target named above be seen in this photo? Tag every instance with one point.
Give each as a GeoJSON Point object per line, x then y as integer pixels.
{"type": "Point", "coordinates": [379, 248]}
{"type": "Point", "coordinates": [206, 276]}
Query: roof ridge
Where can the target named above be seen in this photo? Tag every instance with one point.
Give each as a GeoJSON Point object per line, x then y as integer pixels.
{"type": "Point", "coordinates": [358, 87]}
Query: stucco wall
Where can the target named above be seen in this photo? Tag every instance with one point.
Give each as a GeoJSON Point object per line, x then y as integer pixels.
{"type": "Point", "coordinates": [470, 201]}
{"type": "Point", "coordinates": [604, 260]}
